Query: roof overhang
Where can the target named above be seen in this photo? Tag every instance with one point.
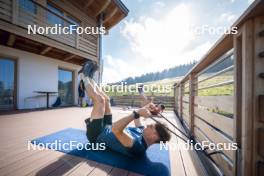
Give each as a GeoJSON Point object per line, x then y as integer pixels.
{"type": "Point", "coordinates": [113, 11]}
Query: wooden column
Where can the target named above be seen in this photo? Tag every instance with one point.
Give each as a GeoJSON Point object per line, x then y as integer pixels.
{"type": "Point", "coordinates": [247, 98]}
{"type": "Point", "coordinates": [258, 113]}
{"type": "Point", "coordinates": [237, 101]}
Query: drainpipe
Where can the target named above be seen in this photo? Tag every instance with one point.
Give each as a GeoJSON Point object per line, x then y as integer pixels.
{"type": "Point", "coordinates": [101, 20]}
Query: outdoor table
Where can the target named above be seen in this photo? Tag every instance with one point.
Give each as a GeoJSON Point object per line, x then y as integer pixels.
{"type": "Point", "coordinates": [47, 95]}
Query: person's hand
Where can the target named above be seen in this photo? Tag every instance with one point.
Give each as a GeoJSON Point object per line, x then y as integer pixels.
{"type": "Point", "coordinates": [144, 112]}
{"type": "Point", "coordinates": [150, 106]}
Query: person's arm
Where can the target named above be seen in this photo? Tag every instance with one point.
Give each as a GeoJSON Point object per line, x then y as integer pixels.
{"type": "Point", "coordinates": [119, 126]}
{"type": "Point", "coordinates": [137, 122]}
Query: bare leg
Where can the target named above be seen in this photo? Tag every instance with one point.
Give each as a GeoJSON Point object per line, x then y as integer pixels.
{"type": "Point", "coordinates": [81, 101]}
{"type": "Point", "coordinates": [108, 110]}
{"type": "Point", "coordinates": [98, 100]}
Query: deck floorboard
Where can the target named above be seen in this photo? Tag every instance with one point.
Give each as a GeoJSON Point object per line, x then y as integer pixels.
{"type": "Point", "coordinates": [19, 128]}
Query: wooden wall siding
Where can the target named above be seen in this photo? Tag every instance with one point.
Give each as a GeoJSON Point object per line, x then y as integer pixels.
{"type": "Point", "coordinates": [12, 12]}
{"type": "Point", "coordinates": [261, 142]}
{"type": "Point", "coordinates": [261, 109]}
{"type": "Point", "coordinates": [258, 121]}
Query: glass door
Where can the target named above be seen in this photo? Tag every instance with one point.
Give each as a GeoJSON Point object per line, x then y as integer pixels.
{"type": "Point", "coordinates": [66, 87]}
{"type": "Point", "coordinates": [7, 84]}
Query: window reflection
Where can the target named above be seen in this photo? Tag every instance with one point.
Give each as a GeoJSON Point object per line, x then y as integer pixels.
{"type": "Point", "coordinates": [52, 18]}
{"type": "Point", "coordinates": [7, 69]}
{"type": "Point", "coordinates": [65, 87]}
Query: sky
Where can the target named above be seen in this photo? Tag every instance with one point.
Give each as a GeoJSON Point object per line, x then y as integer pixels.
{"type": "Point", "coordinates": [160, 34]}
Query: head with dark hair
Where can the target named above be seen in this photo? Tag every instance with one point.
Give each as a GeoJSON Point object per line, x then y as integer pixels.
{"type": "Point", "coordinates": [156, 133]}
{"type": "Point", "coordinates": [160, 107]}
{"type": "Point", "coordinates": [163, 132]}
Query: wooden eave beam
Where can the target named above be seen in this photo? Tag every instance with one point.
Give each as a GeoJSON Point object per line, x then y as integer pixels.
{"type": "Point", "coordinates": [71, 56]}
{"type": "Point", "coordinates": [45, 50]}
{"type": "Point", "coordinates": [103, 7]}
{"type": "Point", "coordinates": [113, 23]}
{"type": "Point", "coordinates": [11, 40]}
{"type": "Point", "coordinates": [108, 17]}
{"type": "Point", "coordinates": [88, 3]}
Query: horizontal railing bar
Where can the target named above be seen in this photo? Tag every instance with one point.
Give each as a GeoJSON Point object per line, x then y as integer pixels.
{"type": "Point", "coordinates": [217, 73]}
{"type": "Point", "coordinates": [223, 57]}
{"type": "Point", "coordinates": [217, 85]}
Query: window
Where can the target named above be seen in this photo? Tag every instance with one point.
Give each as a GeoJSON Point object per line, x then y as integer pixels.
{"type": "Point", "coordinates": [65, 87]}
{"type": "Point", "coordinates": [54, 15]}
{"type": "Point", "coordinates": [7, 83]}
{"type": "Point", "coordinates": [72, 20]}
{"type": "Point", "coordinates": [28, 6]}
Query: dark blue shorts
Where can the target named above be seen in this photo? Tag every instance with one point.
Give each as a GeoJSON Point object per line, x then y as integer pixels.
{"type": "Point", "coordinates": [95, 128]}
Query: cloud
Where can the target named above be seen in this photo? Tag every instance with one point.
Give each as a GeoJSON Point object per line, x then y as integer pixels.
{"type": "Point", "coordinates": [250, 1]}
{"type": "Point", "coordinates": [228, 16]}
{"type": "Point", "coordinates": [115, 69]}
{"type": "Point", "coordinates": [160, 38]}
{"type": "Point", "coordinates": [156, 44]}
{"type": "Point", "coordinates": [159, 4]}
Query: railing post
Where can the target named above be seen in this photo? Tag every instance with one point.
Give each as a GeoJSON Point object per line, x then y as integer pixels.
{"type": "Point", "coordinates": [41, 13]}
{"type": "Point", "coordinates": [181, 98]}
{"type": "Point", "coordinates": [14, 11]}
{"type": "Point", "coordinates": [237, 101]}
{"type": "Point", "coordinates": [77, 41]}
{"type": "Point", "coordinates": [247, 102]}
{"type": "Point", "coordinates": [192, 82]}
{"type": "Point", "coordinates": [176, 98]}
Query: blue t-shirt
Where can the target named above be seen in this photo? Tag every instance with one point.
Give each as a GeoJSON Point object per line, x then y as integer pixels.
{"type": "Point", "coordinates": [139, 145]}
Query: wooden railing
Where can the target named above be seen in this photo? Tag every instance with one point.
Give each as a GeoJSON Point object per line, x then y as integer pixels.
{"type": "Point", "coordinates": [32, 13]}
{"type": "Point", "coordinates": [136, 101]}
{"type": "Point", "coordinates": [221, 99]}
{"type": "Point", "coordinates": [206, 108]}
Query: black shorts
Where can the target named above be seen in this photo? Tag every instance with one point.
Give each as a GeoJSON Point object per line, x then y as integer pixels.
{"type": "Point", "coordinates": [94, 128]}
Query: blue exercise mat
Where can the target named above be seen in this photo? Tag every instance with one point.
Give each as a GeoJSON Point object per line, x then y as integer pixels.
{"type": "Point", "coordinates": [155, 162]}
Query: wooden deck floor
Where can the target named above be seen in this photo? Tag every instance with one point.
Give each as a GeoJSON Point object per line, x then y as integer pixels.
{"type": "Point", "coordinates": [17, 129]}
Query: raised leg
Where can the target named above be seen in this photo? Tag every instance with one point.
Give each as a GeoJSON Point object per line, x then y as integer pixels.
{"type": "Point", "coordinates": [108, 110]}
{"type": "Point", "coordinates": [98, 110]}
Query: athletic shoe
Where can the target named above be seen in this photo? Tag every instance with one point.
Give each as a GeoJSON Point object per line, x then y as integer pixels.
{"type": "Point", "coordinates": [88, 69]}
